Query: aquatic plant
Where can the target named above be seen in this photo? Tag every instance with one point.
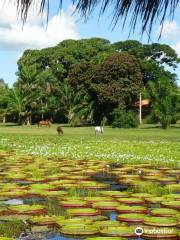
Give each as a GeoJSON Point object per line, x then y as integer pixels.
{"type": "Point", "coordinates": [11, 229]}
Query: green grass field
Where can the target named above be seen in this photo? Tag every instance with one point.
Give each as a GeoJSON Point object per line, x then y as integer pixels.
{"type": "Point", "coordinates": [146, 144]}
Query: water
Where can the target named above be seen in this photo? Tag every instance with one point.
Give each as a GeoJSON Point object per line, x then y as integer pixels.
{"type": "Point", "coordinates": [52, 204]}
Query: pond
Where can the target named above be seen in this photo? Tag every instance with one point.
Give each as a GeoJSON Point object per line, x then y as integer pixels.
{"type": "Point", "coordinates": [61, 199]}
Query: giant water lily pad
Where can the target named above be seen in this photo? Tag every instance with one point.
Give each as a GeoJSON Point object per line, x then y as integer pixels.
{"type": "Point", "coordinates": [40, 229]}
{"type": "Point", "coordinates": [116, 194]}
{"type": "Point", "coordinates": [167, 180]}
{"type": "Point", "coordinates": [131, 201]}
{"type": "Point", "coordinates": [118, 232]}
{"type": "Point", "coordinates": [142, 195]}
{"type": "Point", "coordinates": [43, 186]}
{"type": "Point", "coordinates": [160, 221]}
{"type": "Point", "coordinates": [28, 209]}
{"type": "Point", "coordinates": [15, 194]}
{"type": "Point", "coordinates": [43, 220]}
{"type": "Point", "coordinates": [164, 212]}
{"type": "Point", "coordinates": [111, 205]}
{"type": "Point", "coordinates": [72, 221]}
{"type": "Point", "coordinates": [155, 200]}
{"type": "Point", "coordinates": [52, 194]}
{"type": "Point", "coordinates": [172, 204]}
{"type": "Point", "coordinates": [151, 233]}
{"type": "Point", "coordinates": [131, 209]}
{"type": "Point", "coordinates": [14, 217]}
{"type": "Point", "coordinates": [106, 238]}
{"type": "Point", "coordinates": [79, 230]}
{"type": "Point", "coordinates": [105, 224]}
{"type": "Point", "coordinates": [131, 217]}
{"type": "Point", "coordinates": [93, 185]}
{"type": "Point", "coordinates": [98, 199]}
{"type": "Point", "coordinates": [95, 218]}
{"type": "Point", "coordinates": [83, 212]}
{"type": "Point", "coordinates": [172, 196]}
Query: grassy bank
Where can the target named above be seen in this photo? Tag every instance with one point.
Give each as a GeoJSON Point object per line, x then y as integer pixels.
{"type": "Point", "coordinates": [146, 144]}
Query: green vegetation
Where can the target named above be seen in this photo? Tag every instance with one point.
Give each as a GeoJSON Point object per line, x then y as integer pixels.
{"type": "Point", "coordinates": [11, 228]}
{"type": "Point", "coordinates": [129, 146]}
{"type": "Point", "coordinates": [91, 81]}
{"type": "Point", "coordinates": [83, 207]}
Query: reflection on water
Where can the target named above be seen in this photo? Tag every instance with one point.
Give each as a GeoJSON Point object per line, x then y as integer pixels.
{"type": "Point", "coordinates": [13, 202]}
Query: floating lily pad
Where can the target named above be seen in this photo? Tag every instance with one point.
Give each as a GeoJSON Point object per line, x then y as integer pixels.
{"type": "Point", "coordinates": [43, 220]}
{"type": "Point", "coordinates": [160, 221]}
{"type": "Point", "coordinates": [14, 217]}
{"type": "Point", "coordinates": [43, 186]}
{"type": "Point", "coordinates": [131, 217]}
{"type": "Point", "coordinates": [164, 212]}
{"type": "Point", "coordinates": [95, 218]}
{"type": "Point", "coordinates": [28, 209]}
{"type": "Point", "coordinates": [105, 224]}
{"type": "Point", "coordinates": [116, 194]}
{"type": "Point", "coordinates": [15, 194]}
{"type": "Point", "coordinates": [79, 230]}
{"type": "Point", "coordinates": [50, 194]}
{"type": "Point", "coordinates": [167, 180]}
{"type": "Point", "coordinates": [40, 229]}
{"type": "Point", "coordinates": [155, 200]}
{"type": "Point", "coordinates": [172, 196]}
{"type": "Point", "coordinates": [83, 212]}
{"type": "Point", "coordinates": [131, 209]}
{"type": "Point", "coordinates": [93, 185]}
{"type": "Point", "coordinates": [142, 195]}
{"type": "Point", "coordinates": [118, 232]}
{"type": "Point", "coordinates": [172, 204]}
{"type": "Point", "coordinates": [151, 233]}
{"type": "Point", "coordinates": [98, 199]}
{"type": "Point", "coordinates": [106, 238]}
{"type": "Point", "coordinates": [106, 205]}
{"type": "Point", "coordinates": [73, 221]}
{"type": "Point", "coordinates": [131, 201]}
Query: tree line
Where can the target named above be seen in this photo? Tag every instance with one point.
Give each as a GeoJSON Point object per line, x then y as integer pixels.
{"type": "Point", "coordinates": [93, 81]}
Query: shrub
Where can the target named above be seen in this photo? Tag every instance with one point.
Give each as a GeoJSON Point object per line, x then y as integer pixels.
{"type": "Point", "coordinates": [124, 119]}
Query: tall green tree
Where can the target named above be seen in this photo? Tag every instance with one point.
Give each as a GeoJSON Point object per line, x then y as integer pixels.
{"type": "Point", "coordinates": [155, 59]}
{"type": "Point", "coordinates": [4, 99]}
{"type": "Point", "coordinates": [75, 105]}
{"type": "Point", "coordinates": [164, 100]}
{"type": "Point", "coordinates": [17, 106]}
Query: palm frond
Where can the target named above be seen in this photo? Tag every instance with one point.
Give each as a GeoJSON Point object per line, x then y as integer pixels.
{"type": "Point", "coordinates": [146, 11]}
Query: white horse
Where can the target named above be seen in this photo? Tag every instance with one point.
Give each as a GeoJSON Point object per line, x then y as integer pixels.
{"type": "Point", "coordinates": [99, 129]}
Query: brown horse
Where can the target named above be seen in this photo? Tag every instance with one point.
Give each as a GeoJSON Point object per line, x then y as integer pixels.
{"type": "Point", "coordinates": [46, 123]}
{"type": "Point", "coordinates": [60, 130]}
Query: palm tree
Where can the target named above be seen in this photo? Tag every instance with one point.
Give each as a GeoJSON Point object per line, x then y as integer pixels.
{"type": "Point", "coordinates": [147, 11]}
{"type": "Point", "coordinates": [16, 105]}
{"type": "Point", "coordinates": [26, 85]}
{"type": "Point", "coordinates": [76, 105]}
{"type": "Point", "coordinates": [164, 99]}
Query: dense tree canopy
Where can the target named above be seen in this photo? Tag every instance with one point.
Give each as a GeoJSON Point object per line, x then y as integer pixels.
{"type": "Point", "coordinates": [87, 80]}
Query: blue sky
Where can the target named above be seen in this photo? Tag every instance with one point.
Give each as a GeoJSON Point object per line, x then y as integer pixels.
{"type": "Point", "coordinates": [14, 40]}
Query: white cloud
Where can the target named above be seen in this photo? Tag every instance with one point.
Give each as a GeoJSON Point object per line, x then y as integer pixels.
{"type": "Point", "coordinates": [171, 34]}
{"type": "Point", "coordinates": [177, 48]}
{"type": "Point", "coordinates": [33, 34]}
{"type": "Point", "coordinates": [170, 31]}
